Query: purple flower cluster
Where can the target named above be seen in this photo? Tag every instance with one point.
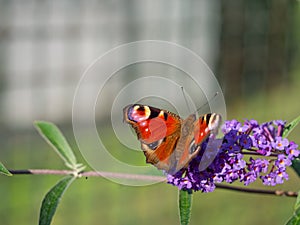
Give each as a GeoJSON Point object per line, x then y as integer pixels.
{"type": "Point", "coordinates": [247, 152]}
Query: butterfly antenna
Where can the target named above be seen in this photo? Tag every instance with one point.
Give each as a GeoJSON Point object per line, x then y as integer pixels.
{"type": "Point", "coordinates": [209, 100]}
{"type": "Point", "coordinates": [185, 99]}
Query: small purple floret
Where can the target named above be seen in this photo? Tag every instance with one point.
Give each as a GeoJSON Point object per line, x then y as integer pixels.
{"type": "Point", "coordinates": [270, 155]}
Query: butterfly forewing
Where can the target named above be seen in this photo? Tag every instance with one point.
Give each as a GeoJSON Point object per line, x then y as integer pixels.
{"type": "Point", "coordinates": [151, 124]}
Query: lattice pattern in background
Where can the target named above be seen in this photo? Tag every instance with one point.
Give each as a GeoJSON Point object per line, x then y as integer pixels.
{"type": "Point", "coordinates": [46, 45]}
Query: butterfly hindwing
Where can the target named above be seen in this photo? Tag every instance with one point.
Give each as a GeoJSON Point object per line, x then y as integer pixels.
{"type": "Point", "coordinates": [163, 156]}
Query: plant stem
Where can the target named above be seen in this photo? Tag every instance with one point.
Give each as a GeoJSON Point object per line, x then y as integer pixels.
{"type": "Point", "coordinates": [254, 152]}
{"type": "Point", "coordinates": [88, 174]}
{"type": "Point", "coordinates": [258, 191]}
{"type": "Point", "coordinates": [146, 177]}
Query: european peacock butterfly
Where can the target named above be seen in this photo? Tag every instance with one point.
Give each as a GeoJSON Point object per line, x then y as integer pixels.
{"type": "Point", "coordinates": [169, 142]}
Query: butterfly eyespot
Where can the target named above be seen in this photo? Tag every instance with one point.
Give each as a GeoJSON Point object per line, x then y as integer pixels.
{"type": "Point", "coordinates": [155, 144]}
{"type": "Point", "coordinates": [143, 110]}
{"type": "Point", "coordinates": [139, 113]}
{"type": "Point", "coordinates": [192, 147]}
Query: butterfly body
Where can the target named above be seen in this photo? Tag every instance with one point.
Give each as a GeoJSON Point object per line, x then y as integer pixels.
{"type": "Point", "coordinates": [168, 141]}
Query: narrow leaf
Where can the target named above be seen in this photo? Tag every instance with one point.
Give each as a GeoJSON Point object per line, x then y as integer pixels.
{"type": "Point", "coordinates": [185, 206]}
{"type": "Point", "coordinates": [56, 139]}
{"type": "Point", "coordinates": [51, 200]}
{"type": "Point", "coordinates": [290, 127]}
{"type": "Point", "coordinates": [297, 204]}
{"type": "Point", "coordinates": [295, 219]}
{"type": "Point", "coordinates": [4, 171]}
{"type": "Point", "coordinates": [296, 165]}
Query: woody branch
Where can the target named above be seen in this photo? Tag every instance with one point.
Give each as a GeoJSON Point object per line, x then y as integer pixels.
{"type": "Point", "coordinates": [144, 177]}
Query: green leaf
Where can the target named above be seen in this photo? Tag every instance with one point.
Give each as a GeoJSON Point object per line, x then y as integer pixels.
{"type": "Point", "coordinates": [185, 206]}
{"type": "Point", "coordinates": [51, 200]}
{"type": "Point", "coordinates": [297, 204]}
{"type": "Point", "coordinates": [287, 131]}
{"type": "Point", "coordinates": [4, 171]}
{"type": "Point", "coordinates": [295, 219]}
{"type": "Point", "coordinates": [296, 165]}
{"type": "Point", "coordinates": [290, 127]}
{"type": "Point", "coordinates": [56, 139]}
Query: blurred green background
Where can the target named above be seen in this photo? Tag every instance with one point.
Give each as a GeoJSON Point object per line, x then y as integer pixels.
{"type": "Point", "coordinates": [251, 46]}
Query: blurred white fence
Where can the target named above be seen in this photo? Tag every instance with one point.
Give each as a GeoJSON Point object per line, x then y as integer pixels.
{"type": "Point", "coordinates": [46, 45]}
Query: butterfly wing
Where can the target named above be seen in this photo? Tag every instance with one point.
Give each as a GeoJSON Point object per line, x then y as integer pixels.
{"type": "Point", "coordinates": [158, 130]}
{"type": "Point", "coordinates": [162, 156]}
{"type": "Point", "coordinates": [193, 133]}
